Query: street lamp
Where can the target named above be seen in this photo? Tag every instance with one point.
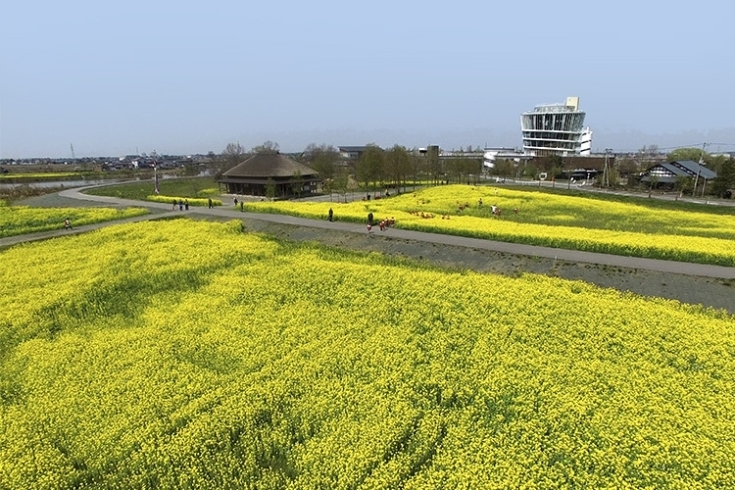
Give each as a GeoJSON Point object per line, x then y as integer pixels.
{"type": "Point", "coordinates": [155, 175]}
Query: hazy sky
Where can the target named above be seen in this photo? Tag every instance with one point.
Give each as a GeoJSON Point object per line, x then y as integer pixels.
{"type": "Point", "coordinates": [188, 77]}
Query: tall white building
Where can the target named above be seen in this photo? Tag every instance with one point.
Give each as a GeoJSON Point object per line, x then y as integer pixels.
{"type": "Point", "coordinates": [556, 129]}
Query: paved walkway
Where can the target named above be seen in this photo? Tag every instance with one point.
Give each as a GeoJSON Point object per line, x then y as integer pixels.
{"type": "Point", "coordinates": [164, 210]}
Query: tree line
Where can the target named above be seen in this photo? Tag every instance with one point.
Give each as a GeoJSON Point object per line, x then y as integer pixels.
{"type": "Point", "coordinates": [395, 167]}
{"type": "Point", "coordinates": [376, 169]}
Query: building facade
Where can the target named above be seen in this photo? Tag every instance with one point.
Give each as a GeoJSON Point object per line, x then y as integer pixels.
{"type": "Point", "coordinates": [668, 172]}
{"type": "Point", "coordinates": [556, 129]}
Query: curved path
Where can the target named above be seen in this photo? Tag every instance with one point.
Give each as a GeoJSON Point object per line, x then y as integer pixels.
{"type": "Point", "coordinates": [164, 210]}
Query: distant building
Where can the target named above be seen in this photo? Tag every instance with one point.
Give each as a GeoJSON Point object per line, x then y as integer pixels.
{"type": "Point", "coordinates": [493, 153]}
{"type": "Point", "coordinates": [556, 129]}
{"type": "Point", "coordinates": [351, 152]}
{"type": "Point", "coordinates": [667, 172]}
{"type": "Point", "coordinates": [254, 175]}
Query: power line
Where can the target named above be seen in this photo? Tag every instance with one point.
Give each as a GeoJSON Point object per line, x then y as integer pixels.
{"type": "Point", "coordinates": [670, 148]}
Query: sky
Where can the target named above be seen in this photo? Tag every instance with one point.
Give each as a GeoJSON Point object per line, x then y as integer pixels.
{"type": "Point", "coordinates": [181, 77]}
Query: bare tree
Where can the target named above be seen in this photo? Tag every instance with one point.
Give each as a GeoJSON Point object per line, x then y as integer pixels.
{"type": "Point", "coordinates": [233, 154]}
{"type": "Point", "coordinates": [397, 165]}
{"type": "Point", "coordinates": [370, 166]}
{"type": "Point", "coordinates": [297, 184]}
{"type": "Point", "coordinates": [268, 147]}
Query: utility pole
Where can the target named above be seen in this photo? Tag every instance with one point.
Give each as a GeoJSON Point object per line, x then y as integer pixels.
{"type": "Point", "coordinates": [699, 168]}
{"type": "Point", "coordinates": [155, 171]}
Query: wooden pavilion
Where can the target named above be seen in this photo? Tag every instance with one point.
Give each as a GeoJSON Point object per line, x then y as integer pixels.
{"type": "Point", "coordinates": [253, 176]}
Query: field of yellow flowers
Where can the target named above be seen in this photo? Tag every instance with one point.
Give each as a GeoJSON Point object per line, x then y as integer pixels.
{"type": "Point", "coordinates": [19, 220]}
{"type": "Point", "coordinates": [539, 218]}
{"type": "Point", "coordinates": [187, 354]}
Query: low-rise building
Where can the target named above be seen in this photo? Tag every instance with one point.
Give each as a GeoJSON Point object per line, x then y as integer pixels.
{"type": "Point", "coordinates": [253, 176]}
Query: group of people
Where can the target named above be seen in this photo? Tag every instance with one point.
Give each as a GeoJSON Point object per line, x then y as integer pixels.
{"type": "Point", "coordinates": [385, 223]}
{"type": "Point", "coordinates": [183, 204]}
{"type": "Point", "coordinates": [382, 224]}
{"type": "Point", "coordinates": [422, 214]}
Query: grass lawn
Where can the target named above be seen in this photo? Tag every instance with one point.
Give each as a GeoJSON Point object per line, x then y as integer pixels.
{"type": "Point", "coordinates": [140, 190]}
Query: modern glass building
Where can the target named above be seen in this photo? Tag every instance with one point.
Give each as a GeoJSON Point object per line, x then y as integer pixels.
{"type": "Point", "coordinates": [556, 129]}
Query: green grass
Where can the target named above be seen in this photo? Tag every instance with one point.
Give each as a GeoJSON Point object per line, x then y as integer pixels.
{"type": "Point", "coordinates": [185, 188]}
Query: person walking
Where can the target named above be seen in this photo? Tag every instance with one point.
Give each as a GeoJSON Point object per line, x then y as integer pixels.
{"type": "Point", "coordinates": [186, 204]}
{"type": "Point", "coordinates": [67, 224]}
{"type": "Point", "coordinates": [181, 205]}
{"type": "Point", "coordinates": [331, 215]}
{"type": "Point", "coordinates": [209, 203]}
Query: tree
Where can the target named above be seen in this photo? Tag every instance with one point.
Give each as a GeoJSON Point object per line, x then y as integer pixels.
{"type": "Point", "coordinates": [433, 163]}
{"type": "Point", "coordinates": [370, 165]}
{"type": "Point", "coordinates": [267, 148]}
{"type": "Point", "coordinates": [716, 162]}
{"type": "Point", "coordinates": [693, 154]}
{"type": "Point", "coordinates": [530, 170]}
{"type": "Point", "coordinates": [323, 159]}
{"type": "Point", "coordinates": [627, 167]}
{"type": "Point", "coordinates": [233, 154]}
{"type": "Point", "coordinates": [557, 165]}
{"type": "Point", "coordinates": [681, 183]}
{"type": "Point", "coordinates": [270, 188]}
{"type": "Point", "coordinates": [725, 180]}
{"type": "Point", "coordinates": [452, 166]}
{"type": "Point", "coordinates": [297, 183]}
{"type": "Point", "coordinates": [397, 165]}
{"type": "Point", "coordinates": [504, 168]}
{"type": "Point", "coordinates": [191, 169]}
{"type": "Point", "coordinates": [341, 181]}
{"type": "Point", "coordinates": [653, 183]}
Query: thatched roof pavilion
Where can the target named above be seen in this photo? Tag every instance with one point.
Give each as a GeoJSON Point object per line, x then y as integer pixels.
{"type": "Point", "coordinates": [254, 175]}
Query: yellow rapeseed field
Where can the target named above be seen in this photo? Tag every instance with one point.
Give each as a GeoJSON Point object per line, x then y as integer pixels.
{"type": "Point", "coordinates": [537, 218]}
{"type": "Point", "coordinates": [19, 220]}
{"type": "Point", "coordinates": [186, 354]}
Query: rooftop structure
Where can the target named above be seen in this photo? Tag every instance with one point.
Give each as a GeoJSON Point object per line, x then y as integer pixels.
{"type": "Point", "coordinates": [667, 172]}
{"type": "Point", "coordinates": [493, 153]}
{"type": "Point", "coordinates": [556, 129]}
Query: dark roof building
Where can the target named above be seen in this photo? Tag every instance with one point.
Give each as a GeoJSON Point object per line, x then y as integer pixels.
{"type": "Point", "coordinates": [352, 152]}
{"type": "Point", "coordinates": [667, 172]}
{"type": "Point", "coordinates": [254, 175]}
